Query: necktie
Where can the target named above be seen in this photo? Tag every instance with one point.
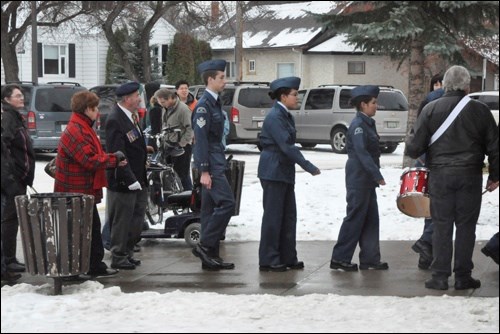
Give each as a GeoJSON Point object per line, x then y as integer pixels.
{"type": "Point", "coordinates": [135, 118]}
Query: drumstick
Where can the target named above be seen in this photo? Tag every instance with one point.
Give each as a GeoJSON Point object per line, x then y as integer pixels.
{"type": "Point", "coordinates": [484, 192]}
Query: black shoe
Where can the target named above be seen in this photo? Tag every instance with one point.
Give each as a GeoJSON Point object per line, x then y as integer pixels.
{"type": "Point", "coordinates": [224, 265]}
{"type": "Point", "coordinates": [423, 248]}
{"type": "Point", "coordinates": [15, 266]}
{"type": "Point", "coordinates": [76, 278]}
{"type": "Point", "coordinates": [137, 248]}
{"type": "Point", "coordinates": [123, 265]}
{"type": "Point", "coordinates": [467, 283]}
{"type": "Point", "coordinates": [376, 266]}
{"type": "Point", "coordinates": [296, 265]}
{"type": "Point", "coordinates": [273, 267]}
{"type": "Point", "coordinates": [134, 261]}
{"type": "Point", "coordinates": [437, 283]}
{"type": "Point", "coordinates": [345, 266]}
{"type": "Point", "coordinates": [10, 277]}
{"type": "Point", "coordinates": [208, 261]}
{"type": "Point", "coordinates": [423, 263]}
{"type": "Point", "coordinates": [103, 273]}
{"type": "Point", "coordinates": [488, 252]}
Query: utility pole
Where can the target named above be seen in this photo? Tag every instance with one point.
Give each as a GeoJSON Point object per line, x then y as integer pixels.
{"type": "Point", "coordinates": [34, 44]}
{"type": "Point", "coordinates": [238, 48]}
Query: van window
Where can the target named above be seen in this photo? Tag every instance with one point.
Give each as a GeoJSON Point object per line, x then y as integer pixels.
{"type": "Point", "coordinates": [54, 99]}
{"type": "Point", "coordinates": [489, 100]}
{"type": "Point", "coordinates": [390, 100]}
{"type": "Point", "coordinates": [255, 98]}
{"type": "Point", "coordinates": [345, 99]}
{"type": "Point", "coordinates": [226, 97]}
{"type": "Point", "coordinates": [320, 99]}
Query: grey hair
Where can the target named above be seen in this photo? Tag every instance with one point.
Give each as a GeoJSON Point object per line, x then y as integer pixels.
{"type": "Point", "coordinates": [165, 93]}
{"type": "Point", "coordinates": [456, 78]}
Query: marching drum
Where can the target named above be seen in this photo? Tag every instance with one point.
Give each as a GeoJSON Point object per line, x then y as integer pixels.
{"type": "Point", "coordinates": [413, 199]}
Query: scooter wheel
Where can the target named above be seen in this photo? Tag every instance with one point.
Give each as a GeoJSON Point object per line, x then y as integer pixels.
{"type": "Point", "coordinates": [192, 234]}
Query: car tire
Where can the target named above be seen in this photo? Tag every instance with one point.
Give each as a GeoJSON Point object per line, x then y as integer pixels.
{"type": "Point", "coordinates": [338, 140]}
{"type": "Point", "coordinates": [389, 148]}
{"type": "Point", "coordinates": [308, 145]}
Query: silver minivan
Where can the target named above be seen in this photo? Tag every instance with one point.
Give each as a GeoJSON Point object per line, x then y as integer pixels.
{"type": "Point", "coordinates": [325, 113]}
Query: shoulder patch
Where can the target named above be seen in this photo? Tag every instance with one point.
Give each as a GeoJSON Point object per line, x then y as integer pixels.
{"type": "Point", "coordinates": [358, 131]}
{"type": "Point", "coordinates": [201, 110]}
{"type": "Point", "coordinates": [201, 122]}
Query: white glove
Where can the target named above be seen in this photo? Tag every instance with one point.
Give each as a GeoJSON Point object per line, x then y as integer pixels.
{"type": "Point", "coordinates": [135, 186]}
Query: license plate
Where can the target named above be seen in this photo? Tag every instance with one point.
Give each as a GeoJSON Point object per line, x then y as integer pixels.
{"type": "Point", "coordinates": [392, 125]}
{"type": "Point", "coordinates": [259, 124]}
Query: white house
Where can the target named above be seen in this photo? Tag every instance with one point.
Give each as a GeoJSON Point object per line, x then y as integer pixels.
{"type": "Point", "coordinates": [66, 55]}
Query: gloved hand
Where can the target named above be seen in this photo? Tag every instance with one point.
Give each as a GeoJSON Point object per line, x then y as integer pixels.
{"type": "Point", "coordinates": [120, 156]}
{"type": "Point", "coordinates": [135, 186]}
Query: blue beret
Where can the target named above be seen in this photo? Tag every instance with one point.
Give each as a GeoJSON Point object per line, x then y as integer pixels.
{"type": "Point", "coordinates": [127, 88]}
{"type": "Point", "coordinates": [212, 65]}
{"type": "Point", "coordinates": [288, 82]}
{"type": "Point", "coordinates": [368, 90]}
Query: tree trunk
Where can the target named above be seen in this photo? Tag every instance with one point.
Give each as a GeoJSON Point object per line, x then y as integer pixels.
{"type": "Point", "coordinates": [9, 59]}
{"type": "Point", "coordinates": [416, 89]}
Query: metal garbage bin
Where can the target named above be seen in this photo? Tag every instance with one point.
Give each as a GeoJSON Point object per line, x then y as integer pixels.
{"type": "Point", "coordinates": [56, 234]}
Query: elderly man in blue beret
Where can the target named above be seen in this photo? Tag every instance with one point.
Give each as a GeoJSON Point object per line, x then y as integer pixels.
{"type": "Point", "coordinates": [127, 186]}
{"type": "Point", "coordinates": [217, 200]}
{"type": "Point", "coordinates": [276, 171]}
{"type": "Point", "coordinates": [361, 224]}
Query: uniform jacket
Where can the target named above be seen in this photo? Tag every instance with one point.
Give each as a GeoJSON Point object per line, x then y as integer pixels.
{"type": "Point", "coordinates": [363, 164]}
{"type": "Point", "coordinates": [461, 148]}
{"type": "Point", "coordinates": [208, 125]}
{"type": "Point", "coordinates": [19, 144]}
{"type": "Point", "coordinates": [279, 153]}
{"type": "Point", "coordinates": [122, 135]}
{"type": "Point", "coordinates": [81, 161]}
{"type": "Point", "coordinates": [179, 115]}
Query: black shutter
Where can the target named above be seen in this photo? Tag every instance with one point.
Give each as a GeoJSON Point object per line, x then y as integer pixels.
{"type": "Point", "coordinates": [40, 59]}
{"type": "Point", "coordinates": [72, 60]}
{"type": "Point", "coordinates": [164, 52]}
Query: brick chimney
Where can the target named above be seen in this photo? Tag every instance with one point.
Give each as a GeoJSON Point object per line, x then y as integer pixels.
{"type": "Point", "coordinates": [215, 12]}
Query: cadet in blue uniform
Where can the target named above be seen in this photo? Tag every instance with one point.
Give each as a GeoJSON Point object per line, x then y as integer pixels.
{"type": "Point", "coordinates": [217, 200]}
{"type": "Point", "coordinates": [361, 224]}
{"type": "Point", "coordinates": [276, 172]}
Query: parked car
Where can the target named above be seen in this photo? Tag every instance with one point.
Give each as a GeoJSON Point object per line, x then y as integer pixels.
{"type": "Point", "coordinates": [47, 110]}
{"type": "Point", "coordinates": [246, 104]}
{"type": "Point", "coordinates": [325, 114]}
{"type": "Point", "coordinates": [490, 98]}
{"type": "Point", "coordinates": [107, 101]}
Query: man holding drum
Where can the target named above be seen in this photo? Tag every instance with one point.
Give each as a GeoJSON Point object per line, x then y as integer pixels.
{"type": "Point", "coordinates": [456, 133]}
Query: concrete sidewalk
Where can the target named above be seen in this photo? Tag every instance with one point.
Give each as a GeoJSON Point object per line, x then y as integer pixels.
{"type": "Point", "coordinates": [168, 265]}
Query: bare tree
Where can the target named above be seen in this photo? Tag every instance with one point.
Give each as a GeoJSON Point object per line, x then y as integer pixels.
{"type": "Point", "coordinates": [16, 19]}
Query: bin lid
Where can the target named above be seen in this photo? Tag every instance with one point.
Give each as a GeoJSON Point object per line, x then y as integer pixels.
{"type": "Point", "coordinates": [56, 195]}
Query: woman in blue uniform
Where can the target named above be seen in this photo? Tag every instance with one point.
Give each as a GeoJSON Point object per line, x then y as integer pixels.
{"type": "Point", "coordinates": [361, 224]}
{"type": "Point", "coordinates": [276, 172]}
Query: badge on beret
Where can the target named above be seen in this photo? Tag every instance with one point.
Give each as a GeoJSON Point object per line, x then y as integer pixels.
{"type": "Point", "coordinates": [201, 122]}
{"type": "Point", "coordinates": [201, 110]}
{"type": "Point", "coordinates": [358, 131]}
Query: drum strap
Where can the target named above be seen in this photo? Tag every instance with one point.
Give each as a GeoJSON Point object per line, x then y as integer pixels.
{"type": "Point", "coordinates": [451, 117]}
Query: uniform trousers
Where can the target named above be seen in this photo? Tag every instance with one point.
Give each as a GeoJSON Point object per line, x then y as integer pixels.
{"type": "Point", "coordinates": [361, 224]}
{"type": "Point", "coordinates": [279, 224]}
{"type": "Point", "coordinates": [217, 207]}
{"type": "Point", "coordinates": [455, 201]}
{"type": "Point", "coordinates": [126, 212]}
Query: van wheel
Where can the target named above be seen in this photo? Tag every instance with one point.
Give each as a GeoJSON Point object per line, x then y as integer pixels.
{"type": "Point", "coordinates": [192, 234]}
{"type": "Point", "coordinates": [338, 140]}
{"type": "Point", "coordinates": [308, 145]}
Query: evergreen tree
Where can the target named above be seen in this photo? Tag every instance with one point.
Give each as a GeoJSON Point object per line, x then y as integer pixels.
{"type": "Point", "coordinates": [411, 30]}
{"type": "Point", "coordinates": [184, 54]}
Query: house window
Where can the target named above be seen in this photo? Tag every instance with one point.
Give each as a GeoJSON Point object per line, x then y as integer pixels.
{"type": "Point", "coordinates": [251, 66]}
{"type": "Point", "coordinates": [286, 70]}
{"type": "Point", "coordinates": [356, 67]}
{"type": "Point", "coordinates": [230, 69]}
{"type": "Point", "coordinates": [54, 59]}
